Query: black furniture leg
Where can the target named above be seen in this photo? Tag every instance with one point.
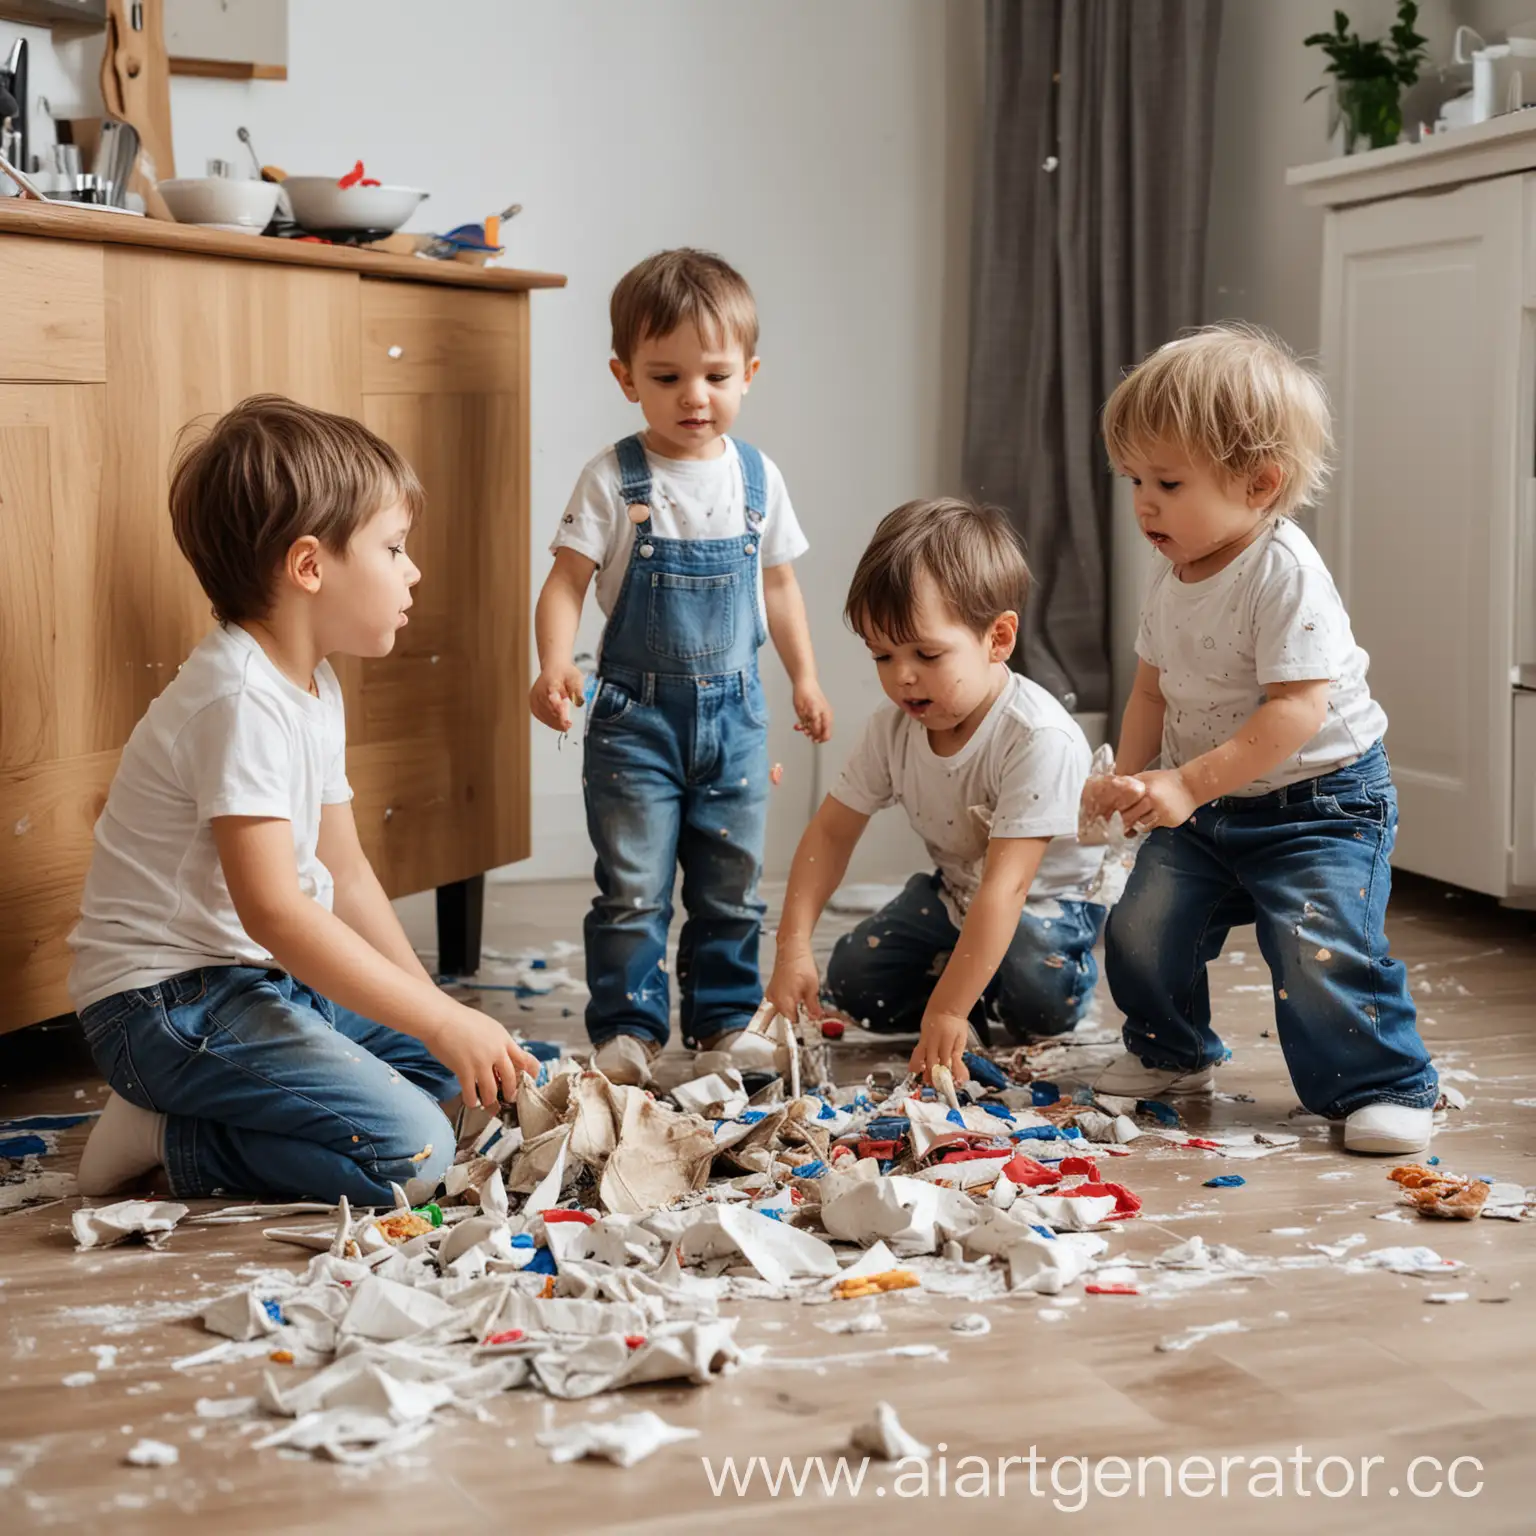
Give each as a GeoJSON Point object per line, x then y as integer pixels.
{"type": "Point", "coordinates": [460, 916]}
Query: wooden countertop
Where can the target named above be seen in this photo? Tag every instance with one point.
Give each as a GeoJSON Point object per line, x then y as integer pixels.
{"type": "Point", "coordinates": [57, 221]}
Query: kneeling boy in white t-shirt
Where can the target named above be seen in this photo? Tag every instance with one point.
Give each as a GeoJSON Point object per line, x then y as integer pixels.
{"type": "Point", "coordinates": [989, 769]}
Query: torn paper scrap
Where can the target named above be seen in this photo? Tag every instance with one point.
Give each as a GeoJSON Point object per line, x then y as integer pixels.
{"type": "Point", "coordinates": [624, 1441]}
{"type": "Point", "coordinates": [1194, 1335]}
{"type": "Point", "coordinates": [882, 1436]}
{"type": "Point", "coordinates": [778, 1252]}
{"type": "Point", "coordinates": [102, 1225]}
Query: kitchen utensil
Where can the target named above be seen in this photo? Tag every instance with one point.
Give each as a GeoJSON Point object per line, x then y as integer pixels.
{"type": "Point", "coordinates": [244, 135]}
{"type": "Point", "coordinates": [220, 202]}
{"type": "Point", "coordinates": [224, 168]}
{"type": "Point", "coordinates": [117, 152]}
{"type": "Point", "coordinates": [135, 85]}
{"type": "Point", "coordinates": [320, 205]}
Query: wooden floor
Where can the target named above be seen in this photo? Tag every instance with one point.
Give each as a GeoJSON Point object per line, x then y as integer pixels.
{"type": "Point", "coordinates": [1331, 1364]}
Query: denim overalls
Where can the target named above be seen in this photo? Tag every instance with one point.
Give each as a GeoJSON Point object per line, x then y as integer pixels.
{"type": "Point", "coordinates": [676, 772]}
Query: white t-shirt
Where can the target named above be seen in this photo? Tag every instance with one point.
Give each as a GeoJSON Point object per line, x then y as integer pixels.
{"type": "Point", "coordinates": [1020, 775]}
{"type": "Point", "coordinates": [1272, 616]}
{"type": "Point", "coordinates": [229, 736]}
{"type": "Point", "coordinates": [690, 499]}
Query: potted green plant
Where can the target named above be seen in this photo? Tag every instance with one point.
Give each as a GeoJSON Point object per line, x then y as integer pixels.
{"type": "Point", "coordinates": [1369, 76]}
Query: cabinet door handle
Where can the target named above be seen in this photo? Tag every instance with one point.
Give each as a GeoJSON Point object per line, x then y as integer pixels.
{"type": "Point", "coordinates": [1525, 578]}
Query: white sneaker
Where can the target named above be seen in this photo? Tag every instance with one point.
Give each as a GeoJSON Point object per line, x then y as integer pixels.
{"type": "Point", "coordinates": [1127, 1078]}
{"type": "Point", "coordinates": [1391, 1130]}
{"type": "Point", "coordinates": [625, 1060]}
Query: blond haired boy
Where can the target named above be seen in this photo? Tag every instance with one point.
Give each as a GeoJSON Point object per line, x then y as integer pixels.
{"type": "Point", "coordinates": [1274, 802]}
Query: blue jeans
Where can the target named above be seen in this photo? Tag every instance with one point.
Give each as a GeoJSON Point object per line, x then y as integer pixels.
{"type": "Point", "coordinates": [676, 773]}
{"type": "Point", "coordinates": [270, 1089]}
{"type": "Point", "coordinates": [1308, 865]}
{"type": "Point", "coordinates": [885, 971]}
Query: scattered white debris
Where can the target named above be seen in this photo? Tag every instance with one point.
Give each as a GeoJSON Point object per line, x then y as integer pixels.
{"type": "Point", "coordinates": [1199, 1332]}
{"type": "Point", "coordinates": [623, 1441]}
{"type": "Point", "coordinates": [152, 1453]}
{"type": "Point", "coordinates": [972, 1324]}
{"type": "Point", "coordinates": [102, 1225]}
{"type": "Point", "coordinates": [224, 1407]}
{"type": "Point", "coordinates": [1446, 1297]}
{"type": "Point", "coordinates": [80, 1378]}
{"type": "Point", "coordinates": [883, 1437]}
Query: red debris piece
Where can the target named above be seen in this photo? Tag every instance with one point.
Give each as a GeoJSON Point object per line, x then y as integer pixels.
{"type": "Point", "coordinates": [832, 1029]}
{"type": "Point", "coordinates": [369, 181]}
{"type": "Point", "coordinates": [352, 177]}
{"type": "Point", "coordinates": [1025, 1170]}
{"type": "Point", "coordinates": [971, 1154]}
{"type": "Point", "coordinates": [1200, 1141]}
{"type": "Point", "coordinates": [1111, 1290]}
{"type": "Point", "coordinates": [878, 1149]}
{"type": "Point", "coordinates": [1126, 1203]}
{"type": "Point", "coordinates": [633, 1340]}
{"type": "Point", "coordinates": [586, 1218]}
{"type": "Point", "coordinates": [508, 1336]}
{"type": "Point", "coordinates": [1080, 1165]}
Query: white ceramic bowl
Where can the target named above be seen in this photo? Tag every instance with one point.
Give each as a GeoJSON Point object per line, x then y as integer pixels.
{"type": "Point", "coordinates": [217, 202]}
{"type": "Point", "coordinates": [319, 204]}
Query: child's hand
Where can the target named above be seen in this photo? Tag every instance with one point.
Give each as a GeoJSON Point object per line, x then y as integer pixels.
{"type": "Point", "coordinates": [1165, 801]}
{"type": "Point", "coordinates": [553, 694]}
{"type": "Point", "coordinates": [1106, 793]}
{"type": "Point", "coordinates": [942, 1043]}
{"type": "Point", "coordinates": [483, 1056]}
{"type": "Point", "coordinates": [814, 714]}
{"type": "Point", "coordinates": [795, 984]}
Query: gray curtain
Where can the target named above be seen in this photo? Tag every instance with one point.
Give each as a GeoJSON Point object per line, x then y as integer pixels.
{"type": "Point", "coordinates": [1089, 251]}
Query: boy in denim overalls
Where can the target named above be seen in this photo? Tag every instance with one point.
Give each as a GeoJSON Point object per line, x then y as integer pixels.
{"type": "Point", "coordinates": [691, 536]}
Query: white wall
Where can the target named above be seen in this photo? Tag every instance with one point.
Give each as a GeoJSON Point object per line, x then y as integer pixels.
{"type": "Point", "coordinates": [825, 149]}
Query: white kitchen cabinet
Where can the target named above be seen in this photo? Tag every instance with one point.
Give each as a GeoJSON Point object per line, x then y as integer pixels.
{"type": "Point", "coordinates": [1429, 352]}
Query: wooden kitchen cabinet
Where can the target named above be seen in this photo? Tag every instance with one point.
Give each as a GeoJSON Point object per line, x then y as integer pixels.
{"type": "Point", "coordinates": [115, 333]}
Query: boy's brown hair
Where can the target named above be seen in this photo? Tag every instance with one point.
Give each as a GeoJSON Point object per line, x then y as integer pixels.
{"type": "Point", "coordinates": [968, 551]}
{"type": "Point", "coordinates": [673, 287]}
{"type": "Point", "coordinates": [270, 472]}
{"type": "Point", "coordinates": [1234, 397]}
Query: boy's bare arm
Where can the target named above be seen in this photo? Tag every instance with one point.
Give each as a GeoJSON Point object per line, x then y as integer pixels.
{"type": "Point", "coordinates": [556, 619]}
{"type": "Point", "coordinates": [791, 632]}
{"type": "Point", "coordinates": [1290, 716]}
{"type": "Point", "coordinates": [326, 954]}
{"type": "Point", "coordinates": [1141, 726]}
{"type": "Point", "coordinates": [989, 928]}
{"type": "Point", "coordinates": [360, 901]}
{"type": "Point", "coordinates": [820, 863]}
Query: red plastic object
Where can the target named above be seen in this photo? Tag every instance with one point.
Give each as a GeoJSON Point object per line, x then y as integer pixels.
{"type": "Point", "coordinates": [1111, 1290]}
{"type": "Point", "coordinates": [1080, 1165]}
{"type": "Point", "coordinates": [633, 1340]}
{"type": "Point", "coordinates": [879, 1149]}
{"type": "Point", "coordinates": [1200, 1141]}
{"type": "Point", "coordinates": [832, 1029]}
{"type": "Point", "coordinates": [584, 1217]}
{"type": "Point", "coordinates": [1025, 1170]}
{"type": "Point", "coordinates": [970, 1154]}
{"type": "Point", "coordinates": [352, 177]}
{"type": "Point", "coordinates": [370, 181]}
{"type": "Point", "coordinates": [510, 1336]}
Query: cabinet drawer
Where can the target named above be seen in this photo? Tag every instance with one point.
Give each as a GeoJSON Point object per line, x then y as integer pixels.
{"type": "Point", "coordinates": [52, 313]}
{"type": "Point", "coordinates": [432, 341]}
{"type": "Point", "coordinates": [1523, 865]}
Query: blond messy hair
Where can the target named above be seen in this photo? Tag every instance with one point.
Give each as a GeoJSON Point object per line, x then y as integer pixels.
{"type": "Point", "coordinates": [1234, 397]}
{"type": "Point", "coordinates": [672, 288]}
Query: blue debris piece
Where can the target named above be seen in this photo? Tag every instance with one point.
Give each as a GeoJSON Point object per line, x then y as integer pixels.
{"type": "Point", "coordinates": [543, 1076]}
{"type": "Point", "coordinates": [772, 1213]}
{"type": "Point", "coordinates": [1000, 1110]}
{"type": "Point", "coordinates": [542, 1263]}
{"type": "Point", "coordinates": [24, 1146]}
{"type": "Point", "coordinates": [887, 1128]}
{"type": "Point", "coordinates": [46, 1122]}
{"type": "Point", "coordinates": [1044, 1093]}
{"type": "Point", "coordinates": [985, 1072]}
{"type": "Point", "coordinates": [1165, 1113]}
{"type": "Point", "coordinates": [886, 1164]}
{"type": "Point", "coordinates": [274, 1310]}
{"type": "Point", "coordinates": [751, 1116]}
{"type": "Point", "coordinates": [1043, 1231]}
{"type": "Point", "coordinates": [1434, 1162]}
{"type": "Point", "coordinates": [811, 1170]}
{"type": "Point", "coordinates": [1482, 1178]}
{"type": "Point", "coordinates": [1226, 1181]}
{"type": "Point", "coordinates": [542, 1050]}
{"type": "Point", "coordinates": [862, 1101]}
{"type": "Point", "coordinates": [538, 965]}
{"type": "Point", "coordinates": [1071, 1133]}
{"type": "Point", "coordinates": [955, 1117]}
{"type": "Point", "coordinates": [522, 1240]}
{"type": "Point", "coordinates": [1039, 1133]}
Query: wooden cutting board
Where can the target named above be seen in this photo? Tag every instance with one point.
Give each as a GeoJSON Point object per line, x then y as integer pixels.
{"type": "Point", "coordinates": [136, 87]}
